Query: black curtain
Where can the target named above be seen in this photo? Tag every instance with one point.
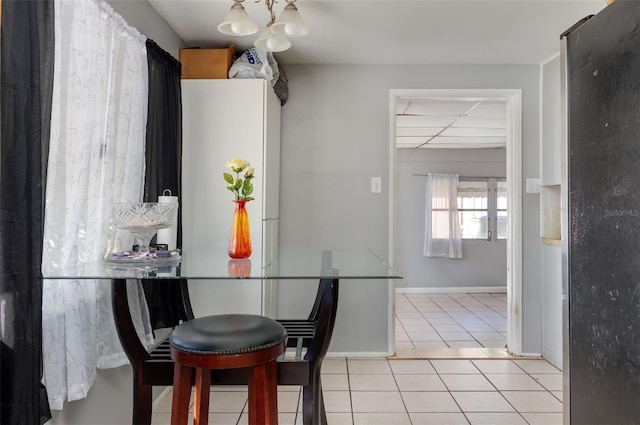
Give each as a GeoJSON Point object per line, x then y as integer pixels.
{"type": "Point", "coordinates": [26, 80]}
{"type": "Point", "coordinates": [163, 169]}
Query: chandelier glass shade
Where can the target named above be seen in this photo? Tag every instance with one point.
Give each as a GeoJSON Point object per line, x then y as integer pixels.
{"type": "Point", "coordinates": [274, 37]}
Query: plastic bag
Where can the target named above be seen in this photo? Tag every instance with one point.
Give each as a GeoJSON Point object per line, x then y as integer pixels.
{"type": "Point", "coordinates": [254, 63]}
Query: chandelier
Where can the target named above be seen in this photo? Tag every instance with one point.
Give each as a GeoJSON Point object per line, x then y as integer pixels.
{"type": "Point", "coordinates": [274, 37]}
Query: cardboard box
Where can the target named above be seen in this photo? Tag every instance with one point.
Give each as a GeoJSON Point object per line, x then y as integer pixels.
{"type": "Point", "coordinates": [206, 63]}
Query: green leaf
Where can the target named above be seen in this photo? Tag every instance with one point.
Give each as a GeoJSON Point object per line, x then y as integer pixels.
{"type": "Point", "coordinates": [228, 178]}
{"type": "Point", "coordinates": [247, 188]}
{"type": "Point", "coordinates": [249, 198]}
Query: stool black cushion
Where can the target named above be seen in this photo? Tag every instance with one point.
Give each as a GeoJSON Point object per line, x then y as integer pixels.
{"type": "Point", "coordinates": [227, 334]}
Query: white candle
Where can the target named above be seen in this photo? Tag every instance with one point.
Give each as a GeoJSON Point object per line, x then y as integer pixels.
{"type": "Point", "coordinates": [168, 235]}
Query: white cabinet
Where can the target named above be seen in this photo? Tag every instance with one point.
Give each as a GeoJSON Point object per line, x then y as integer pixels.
{"type": "Point", "coordinates": [223, 120]}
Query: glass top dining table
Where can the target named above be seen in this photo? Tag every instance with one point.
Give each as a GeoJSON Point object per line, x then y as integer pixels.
{"type": "Point", "coordinates": [293, 262]}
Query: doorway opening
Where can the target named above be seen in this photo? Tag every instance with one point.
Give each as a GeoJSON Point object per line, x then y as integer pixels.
{"type": "Point", "coordinates": [454, 120]}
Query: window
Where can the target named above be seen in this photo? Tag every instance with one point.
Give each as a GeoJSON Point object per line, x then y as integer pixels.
{"type": "Point", "coordinates": [482, 208]}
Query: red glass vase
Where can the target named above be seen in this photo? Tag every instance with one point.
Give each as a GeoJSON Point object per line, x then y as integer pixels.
{"type": "Point", "coordinates": [240, 238]}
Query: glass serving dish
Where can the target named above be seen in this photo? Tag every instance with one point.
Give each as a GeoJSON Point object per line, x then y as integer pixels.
{"type": "Point", "coordinates": [143, 220]}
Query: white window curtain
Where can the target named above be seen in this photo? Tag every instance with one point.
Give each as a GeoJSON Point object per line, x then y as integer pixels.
{"type": "Point", "coordinates": [96, 157]}
{"type": "Point", "coordinates": [442, 224]}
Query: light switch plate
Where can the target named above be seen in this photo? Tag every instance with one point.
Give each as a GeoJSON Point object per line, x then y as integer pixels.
{"type": "Point", "coordinates": [533, 185]}
{"type": "Point", "coordinates": [376, 184]}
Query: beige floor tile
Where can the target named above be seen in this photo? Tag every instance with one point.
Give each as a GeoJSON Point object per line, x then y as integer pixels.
{"type": "Point", "coordinates": [288, 401]}
{"type": "Point", "coordinates": [214, 418]}
{"type": "Point", "coordinates": [493, 344]}
{"type": "Point", "coordinates": [514, 381]}
{"type": "Point", "coordinates": [334, 418]}
{"type": "Point", "coordinates": [497, 366]}
{"type": "Point", "coordinates": [402, 337]}
{"type": "Point", "coordinates": [381, 419]}
{"type": "Point", "coordinates": [420, 383]}
{"type": "Point", "coordinates": [411, 367]}
{"type": "Point", "coordinates": [414, 321]}
{"type": "Point", "coordinates": [478, 328]}
{"type": "Point", "coordinates": [229, 402]}
{"type": "Point", "coordinates": [163, 403]}
{"type": "Point", "coordinates": [438, 419]}
{"type": "Point", "coordinates": [454, 366]}
{"type": "Point", "coordinates": [334, 365]}
{"type": "Point", "coordinates": [473, 401]}
{"type": "Point", "coordinates": [368, 366]}
{"type": "Point", "coordinates": [419, 402]}
{"type": "Point", "coordinates": [335, 382]}
{"type": "Point", "coordinates": [161, 418]}
{"type": "Point", "coordinates": [441, 321]}
{"type": "Point", "coordinates": [464, 344]}
{"type": "Point", "coordinates": [487, 336]}
{"type": "Point", "coordinates": [448, 328]}
{"type": "Point", "coordinates": [424, 336]}
{"type": "Point", "coordinates": [537, 366]}
{"type": "Point", "coordinates": [493, 418]}
{"type": "Point", "coordinates": [413, 314]}
{"type": "Point", "coordinates": [404, 345]}
{"type": "Point", "coordinates": [558, 395]}
{"type": "Point", "coordinates": [283, 419]}
{"type": "Point", "coordinates": [551, 381]}
{"type": "Point", "coordinates": [456, 336]}
{"type": "Point", "coordinates": [430, 344]}
{"type": "Point", "coordinates": [337, 401]}
{"type": "Point", "coordinates": [467, 382]}
{"type": "Point", "coordinates": [409, 329]}
{"type": "Point", "coordinates": [372, 383]}
{"type": "Point", "coordinates": [377, 402]}
{"type": "Point", "coordinates": [543, 418]}
{"type": "Point", "coordinates": [533, 401]}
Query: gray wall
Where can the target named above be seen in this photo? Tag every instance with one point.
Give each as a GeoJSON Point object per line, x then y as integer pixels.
{"type": "Point", "coordinates": [141, 15]}
{"type": "Point", "coordinates": [483, 263]}
{"type": "Point", "coordinates": [335, 137]}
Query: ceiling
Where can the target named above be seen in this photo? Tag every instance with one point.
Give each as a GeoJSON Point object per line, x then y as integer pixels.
{"type": "Point", "coordinates": [397, 31]}
{"type": "Point", "coordinates": [445, 123]}
{"type": "Point", "coordinates": [407, 32]}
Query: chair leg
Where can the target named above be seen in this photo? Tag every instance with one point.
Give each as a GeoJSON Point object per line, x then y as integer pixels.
{"type": "Point", "coordinates": [142, 402]}
{"type": "Point", "coordinates": [313, 411]}
{"type": "Point", "coordinates": [181, 394]}
{"type": "Point", "coordinates": [201, 399]}
{"type": "Point", "coordinates": [263, 393]}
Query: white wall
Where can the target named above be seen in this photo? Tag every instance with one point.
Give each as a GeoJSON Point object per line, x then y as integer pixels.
{"type": "Point", "coordinates": [335, 137]}
{"type": "Point", "coordinates": [483, 263]}
{"type": "Point", "coordinates": [551, 270]}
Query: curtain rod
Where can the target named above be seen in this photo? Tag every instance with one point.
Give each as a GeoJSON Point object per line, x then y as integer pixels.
{"type": "Point", "coordinates": [464, 177]}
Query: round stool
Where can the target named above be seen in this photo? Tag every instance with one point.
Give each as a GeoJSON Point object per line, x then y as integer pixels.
{"type": "Point", "coordinates": [226, 341]}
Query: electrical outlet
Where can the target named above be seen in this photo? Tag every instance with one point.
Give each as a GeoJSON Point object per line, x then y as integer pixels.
{"type": "Point", "coordinates": [376, 184]}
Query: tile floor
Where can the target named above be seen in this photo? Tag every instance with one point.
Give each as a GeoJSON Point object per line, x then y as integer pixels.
{"type": "Point", "coordinates": [425, 321]}
{"type": "Point", "coordinates": [488, 390]}
{"type": "Point", "coordinates": [412, 392]}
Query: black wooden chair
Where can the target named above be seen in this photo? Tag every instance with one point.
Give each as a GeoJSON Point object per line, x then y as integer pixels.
{"type": "Point", "coordinates": [310, 338]}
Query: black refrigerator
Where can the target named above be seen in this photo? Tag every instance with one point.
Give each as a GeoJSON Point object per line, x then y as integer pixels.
{"type": "Point", "coordinates": [601, 241]}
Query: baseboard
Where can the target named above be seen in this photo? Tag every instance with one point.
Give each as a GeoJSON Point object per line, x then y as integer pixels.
{"type": "Point", "coordinates": [451, 290]}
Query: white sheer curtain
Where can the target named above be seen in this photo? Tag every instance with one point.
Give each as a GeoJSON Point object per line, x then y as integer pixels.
{"type": "Point", "coordinates": [442, 224]}
{"type": "Point", "coordinates": [96, 158]}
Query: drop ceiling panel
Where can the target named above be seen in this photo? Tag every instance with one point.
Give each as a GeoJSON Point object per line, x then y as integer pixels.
{"type": "Point", "coordinates": [450, 123]}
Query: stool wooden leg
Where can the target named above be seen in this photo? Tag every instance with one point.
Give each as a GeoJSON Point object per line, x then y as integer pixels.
{"type": "Point", "coordinates": [263, 394]}
{"type": "Point", "coordinates": [201, 402]}
{"type": "Point", "coordinates": [181, 394]}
